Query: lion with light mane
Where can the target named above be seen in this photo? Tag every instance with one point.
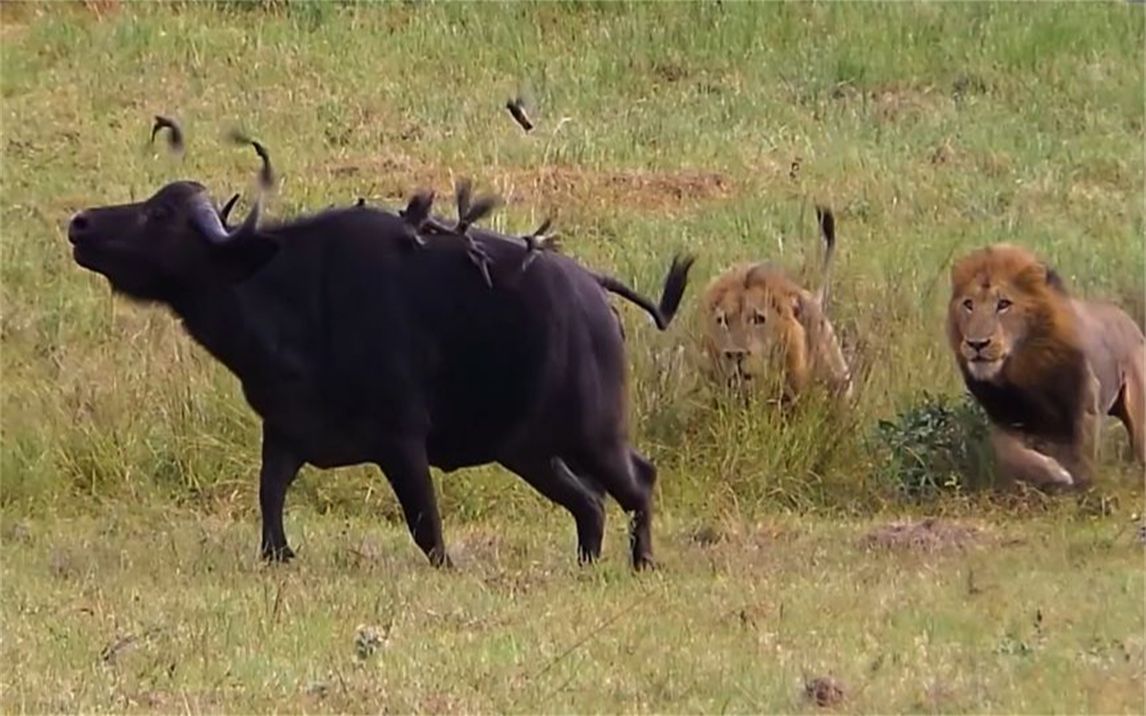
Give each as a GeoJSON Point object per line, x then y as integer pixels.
{"type": "Point", "coordinates": [759, 322]}
{"type": "Point", "coordinates": [1045, 366]}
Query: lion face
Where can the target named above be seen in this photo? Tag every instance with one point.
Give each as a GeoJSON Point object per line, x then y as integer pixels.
{"type": "Point", "coordinates": [994, 304]}
{"type": "Point", "coordinates": [752, 327]}
{"type": "Point", "coordinates": [770, 319]}
{"type": "Point", "coordinates": [988, 325]}
{"type": "Point", "coordinates": [724, 339]}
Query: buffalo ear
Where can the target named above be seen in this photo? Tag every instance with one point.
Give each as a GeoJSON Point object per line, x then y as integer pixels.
{"type": "Point", "coordinates": [244, 257]}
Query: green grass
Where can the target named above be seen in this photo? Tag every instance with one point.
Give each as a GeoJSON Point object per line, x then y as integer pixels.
{"type": "Point", "coordinates": [153, 610]}
{"type": "Point", "coordinates": [931, 129]}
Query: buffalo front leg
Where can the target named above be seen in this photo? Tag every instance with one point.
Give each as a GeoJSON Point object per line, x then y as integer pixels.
{"type": "Point", "coordinates": [279, 469]}
{"type": "Point", "coordinates": [408, 470]}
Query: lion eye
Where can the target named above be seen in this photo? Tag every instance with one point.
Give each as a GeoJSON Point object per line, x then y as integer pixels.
{"type": "Point", "coordinates": [1004, 304]}
{"type": "Point", "coordinates": [968, 304]}
{"type": "Point", "coordinates": [721, 320]}
{"type": "Point", "coordinates": [758, 318]}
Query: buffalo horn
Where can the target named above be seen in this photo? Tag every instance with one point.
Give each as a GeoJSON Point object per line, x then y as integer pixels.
{"type": "Point", "coordinates": [225, 212]}
{"type": "Point", "coordinates": [206, 219]}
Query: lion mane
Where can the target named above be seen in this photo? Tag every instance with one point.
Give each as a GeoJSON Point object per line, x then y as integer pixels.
{"type": "Point", "coordinates": [1045, 366]}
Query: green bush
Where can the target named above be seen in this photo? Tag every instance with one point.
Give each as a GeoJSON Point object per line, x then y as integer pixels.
{"type": "Point", "coordinates": [937, 445]}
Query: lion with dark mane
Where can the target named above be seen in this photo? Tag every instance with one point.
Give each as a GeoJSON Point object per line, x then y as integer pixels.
{"type": "Point", "coordinates": [1045, 366]}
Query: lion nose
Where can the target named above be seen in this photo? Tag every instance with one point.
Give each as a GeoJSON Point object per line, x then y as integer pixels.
{"type": "Point", "coordinates": [735, 354]}
{"type": "Point", "coordinates": [979, 345]}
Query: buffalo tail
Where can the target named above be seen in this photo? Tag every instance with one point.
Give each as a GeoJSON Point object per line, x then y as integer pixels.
{"type": "Point", "coordinates": [671, 295]}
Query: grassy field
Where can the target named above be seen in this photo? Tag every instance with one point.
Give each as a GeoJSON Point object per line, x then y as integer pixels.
{"type": "Point", "coordinates": [158, 610]}
{"type": "Point", "coordinates": [128, 458]}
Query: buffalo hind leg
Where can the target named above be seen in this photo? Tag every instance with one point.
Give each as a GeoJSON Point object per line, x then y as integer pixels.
{"type": "Point", "coordinates": [553, 479]}
{"type": "Point", "coordinates": [629, 478]}
{"type": "Point", "coordinates": [407, 469]}
{"type": "Point", "coordinates": [641, 531]}
{"type": "Point", "coordinates": [279, 469]}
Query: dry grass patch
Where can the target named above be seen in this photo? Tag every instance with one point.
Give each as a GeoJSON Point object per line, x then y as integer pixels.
{"type": "Point", "coordinates": [927, 535]}
{"type": "Point", "coordinates": [393, 177]}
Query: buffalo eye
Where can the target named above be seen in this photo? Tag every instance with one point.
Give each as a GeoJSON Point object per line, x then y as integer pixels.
{"type": "Point", "coordinates": [1003, 305]}
{"type": "Point", "coordinates": [758, 318]}
{"type": "Point", "coordinates": [968, 304]}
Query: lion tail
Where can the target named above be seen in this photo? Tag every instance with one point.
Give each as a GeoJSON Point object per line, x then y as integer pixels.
{"type": "Point", "coordinates": [827, 222]}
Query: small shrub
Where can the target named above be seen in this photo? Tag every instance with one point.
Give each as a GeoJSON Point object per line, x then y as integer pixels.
{"type": "Point", "coordinates": [937, 445]}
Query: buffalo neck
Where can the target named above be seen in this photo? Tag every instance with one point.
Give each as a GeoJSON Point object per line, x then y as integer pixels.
{"type": "Point", "coordinates": [213, 316]}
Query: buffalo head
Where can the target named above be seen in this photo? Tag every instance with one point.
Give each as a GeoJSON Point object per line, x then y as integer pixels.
{"type": "Point", "coordinates": [174, 241]}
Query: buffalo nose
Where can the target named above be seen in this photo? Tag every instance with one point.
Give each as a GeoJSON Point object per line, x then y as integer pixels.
{"type": "Point", "coordinates": [979, 345]}
{"type": "Point", "coordinates": [79, 227]}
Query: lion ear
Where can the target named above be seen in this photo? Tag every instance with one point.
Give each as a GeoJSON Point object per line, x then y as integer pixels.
{"type": "Point", "coordinates": [962, 272]}
{"type": "Point", "coordinates": [1040, 275]}
{"type": "Point", "coordinates": [1054, 280]}
{"type": "Point", "coordinates": [806, 305]}
{"type": "Point", "coordinates": [808, 309]}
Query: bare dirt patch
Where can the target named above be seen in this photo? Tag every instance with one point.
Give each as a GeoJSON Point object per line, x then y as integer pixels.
{"type": "Point", "coordinates": [824, 691]}
{"type": "Point", "coordinates": [928, 535]}
{"type": "Point", "coordinates": [669, 71]}
{"type": "Point", "coordinates": [393, 178]}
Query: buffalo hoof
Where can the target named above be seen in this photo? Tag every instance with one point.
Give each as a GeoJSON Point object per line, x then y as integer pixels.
{"type": "Point", "coordinates": [282, 554]}
{"type": "Point", "coordinates": [644, 563]}
{"type": "Point", "coordinates": [586, 558]}
{"type": "Point", "coordinates": [440, 559]}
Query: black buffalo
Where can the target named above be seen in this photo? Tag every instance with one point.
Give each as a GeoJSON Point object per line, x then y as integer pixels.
{"type": "Point", "coordinates": [355, 345]}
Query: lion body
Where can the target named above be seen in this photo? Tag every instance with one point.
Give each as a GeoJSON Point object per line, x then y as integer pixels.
{"type": "Point", "coordinates": [1045, 366]}
{"type": "Point", "coordinates": [760, 323]}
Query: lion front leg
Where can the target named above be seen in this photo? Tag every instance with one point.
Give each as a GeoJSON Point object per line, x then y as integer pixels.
{"type": "Point", "coordinates": [1092, 420]}
{"type": "Point", "coordinates": [1020, 462]}
{"type": "Point", "coordinates": [797, 370]}
{"type": "Point", "coordinates": [1083, 454]}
